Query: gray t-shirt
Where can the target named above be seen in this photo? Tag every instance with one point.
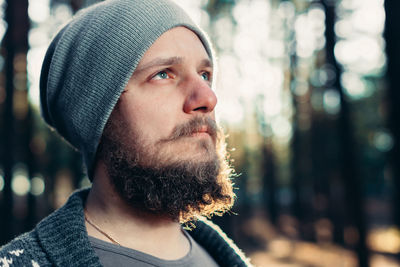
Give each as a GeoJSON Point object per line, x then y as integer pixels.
{"type": "Point", "coordinates": [114, 256]}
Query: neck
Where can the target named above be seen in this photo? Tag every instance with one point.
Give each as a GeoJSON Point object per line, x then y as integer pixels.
{"type": "Point", "coordinates": [149, 233]}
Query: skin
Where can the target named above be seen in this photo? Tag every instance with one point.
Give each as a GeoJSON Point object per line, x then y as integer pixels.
{"type": "Point", "coordinates": [171, 85]}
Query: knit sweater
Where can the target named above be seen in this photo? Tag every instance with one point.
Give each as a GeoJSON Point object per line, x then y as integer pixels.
{"type": "Point", "coordinates": [61, 239]}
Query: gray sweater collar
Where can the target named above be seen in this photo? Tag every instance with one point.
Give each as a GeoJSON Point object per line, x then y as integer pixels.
{"type": "Point", "coordinates": [64, 238]}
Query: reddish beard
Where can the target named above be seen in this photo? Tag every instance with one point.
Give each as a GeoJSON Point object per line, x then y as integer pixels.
{"type": "Point", "coordinates": [179, 189]}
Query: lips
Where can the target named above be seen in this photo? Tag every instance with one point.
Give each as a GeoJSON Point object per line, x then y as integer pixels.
{"type": "Point", "coordinates": [201, 131]}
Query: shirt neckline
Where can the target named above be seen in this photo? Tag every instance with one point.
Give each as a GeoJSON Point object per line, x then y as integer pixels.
{"type": "Point", "coordinates": [142, 256]}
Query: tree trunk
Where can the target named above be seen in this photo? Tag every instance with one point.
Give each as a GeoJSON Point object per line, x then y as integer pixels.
{"type": "Point", "coordinates": [349, 168]}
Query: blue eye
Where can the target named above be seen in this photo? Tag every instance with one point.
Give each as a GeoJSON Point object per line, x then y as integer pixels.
{"type": "Point", "coordinates": [161, 75]}
{"type": "Point", "coordinates": [205, 76]}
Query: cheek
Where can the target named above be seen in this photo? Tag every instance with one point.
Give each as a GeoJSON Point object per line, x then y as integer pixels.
{"type": "Point", "coordinates": [151, 122]}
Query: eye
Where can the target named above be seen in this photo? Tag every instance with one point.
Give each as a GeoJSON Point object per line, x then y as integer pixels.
{"type": "Point", "coordinates": [206, 76]}
{"type": "Point", "coordinates": [162, 75]}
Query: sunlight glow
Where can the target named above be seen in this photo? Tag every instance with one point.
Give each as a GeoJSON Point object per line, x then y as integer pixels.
{"type": "Point", "coordinates": [3, 24]}
{"type": "Point", "coordinates": [272, 107]}
{"type": "Point", "coordinates": [363, 55]}
{"type": "Point", "coordinates": [34, 61]}
{"type": "Point", "coordinates": [385, 240]}
{"type": "Point", "coordinates": [286, 9]}
{"type": "Point", "coordinates": [323, 76]}
{"type": "Point", "coordinates": [39, 10]}
{"type": "Point", "coordinates": [37, 186]}
{"type": "Point", "coordinates": [355, 86]}
{"type": "Point", "coordinates": [383, 141]}
{"type": "Point", "coordinates": [310, 29]}
{"type": "Point", "coordinates": [194, 9]}
{"type": "Point", "coordinates": [246, 72]}
{"type": "Point", "coordinates": [20, 183]}
{"type": "Point", "coordinates": [331, 101]}
{"type": "Point", "coordinates": [370, 18]}
{"type": "Point", "coordinates": [231, 111]}
{"type": "Point", "coordinates": [3, 28]}
{"type": "Point", "coordinates": [43, 28]}
{"type": "Point", "coordinates": [282, 128]}
{"type": "Point", "coordinates": [360, 46]}
{"type": "Point", "coordinates": [222, 27]}
{"type": "Point", "coordinates": [1, 181]}
{"type": "Point", "coordinates": [61, 13]}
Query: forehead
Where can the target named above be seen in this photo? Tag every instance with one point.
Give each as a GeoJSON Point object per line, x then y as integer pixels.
{"type": "Point", "coordinates": [179, 42]}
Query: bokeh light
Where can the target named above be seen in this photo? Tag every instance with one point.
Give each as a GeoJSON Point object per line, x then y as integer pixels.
{"type": "Point", "coordinates": [20, 183]}
{"type": "Point", "coordinates": [37, 186]}
{"type": "Point", "coordinates": [383, 141]}
{"type": "Point", "coordinates": [39, 10]}
{"type": "Point", "coordinates": [281, 97]}
{"type": "Point", "coordinates": [331, 101]}
{"type": "Point", "coordinates": [1, 180]}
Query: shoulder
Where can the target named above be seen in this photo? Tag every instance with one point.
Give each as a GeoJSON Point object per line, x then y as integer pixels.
{"type": "Point", "coordinates": [217, 243]}
{"type": "Point", "coordinates": [60, 239]}
{"type": "Point", "coordinates": [24, 250]}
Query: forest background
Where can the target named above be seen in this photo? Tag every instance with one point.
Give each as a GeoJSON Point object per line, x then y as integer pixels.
{"type": "Point", "coordinates": [308, 93]}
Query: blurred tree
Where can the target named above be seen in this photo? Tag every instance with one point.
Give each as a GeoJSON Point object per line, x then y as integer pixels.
{"type": "Point", "coordinates": [349, 163]}
{"type": "Point", "coordinates": [269, 182]}
{"type": "Point", "coordinates": [324, 158]}
{"type": "Point", "coordinates": [392, 29]}
{"type": "Point", "coordinates": [15, 45]}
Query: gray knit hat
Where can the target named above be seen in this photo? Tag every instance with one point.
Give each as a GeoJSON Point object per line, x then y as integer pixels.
{"type": "Point", "coordinates": [89, 63]}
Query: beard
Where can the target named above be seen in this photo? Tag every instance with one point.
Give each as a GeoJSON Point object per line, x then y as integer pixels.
{"type": "Point", "coordinates": [155, 180]}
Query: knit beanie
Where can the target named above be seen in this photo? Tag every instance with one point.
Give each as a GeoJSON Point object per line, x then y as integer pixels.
{"type": "Point", "coordinates": [90, 61]}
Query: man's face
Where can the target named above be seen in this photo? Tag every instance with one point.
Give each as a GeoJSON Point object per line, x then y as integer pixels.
{"type": "Point", "coordinates": [170, 87]}
{"type": "Point", "coordinates": [161, 146]}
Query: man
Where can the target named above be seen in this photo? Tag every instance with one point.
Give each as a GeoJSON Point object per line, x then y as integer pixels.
{"type": "Point", "coordinates": [129, 84]}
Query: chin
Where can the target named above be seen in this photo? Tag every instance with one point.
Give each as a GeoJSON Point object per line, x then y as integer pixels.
{"type": "Point", "coordinates": [202, 151]}
{"type": "Point", "coordinates": [188, 149]}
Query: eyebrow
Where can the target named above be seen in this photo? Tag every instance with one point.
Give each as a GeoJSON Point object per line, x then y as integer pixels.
{"type": "Point", "coordinates": [206, 63]}
{"type": "Point", "coordinates": [168, 61]}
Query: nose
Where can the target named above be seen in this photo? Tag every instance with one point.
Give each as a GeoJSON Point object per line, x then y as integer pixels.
{"type": "Point", "coordinates": [200, 98]}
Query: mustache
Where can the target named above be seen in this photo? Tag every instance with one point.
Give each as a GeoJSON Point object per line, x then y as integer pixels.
{"type": "Point", "coordinates": [196, 124]}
